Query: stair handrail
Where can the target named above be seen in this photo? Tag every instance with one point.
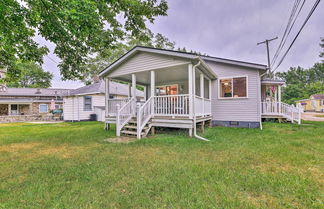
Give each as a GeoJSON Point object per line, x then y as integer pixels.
{"type": "Point", "coordinates": [124, 114]}
{"type": "Point", "coordinates": [144, 114]}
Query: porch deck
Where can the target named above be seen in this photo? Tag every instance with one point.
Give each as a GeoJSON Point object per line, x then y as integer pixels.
{"type": "Point", "coordinates": [280, 110]}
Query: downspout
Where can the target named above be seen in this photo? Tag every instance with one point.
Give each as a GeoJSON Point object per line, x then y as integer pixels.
{"type": "Point", "coordinates": [260, 101]}
{"type": "Point", "coordinates": [193, 106]}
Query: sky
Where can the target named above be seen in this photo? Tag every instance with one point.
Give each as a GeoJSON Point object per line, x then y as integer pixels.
{"type": "Point", "coordinates": [230, 29]}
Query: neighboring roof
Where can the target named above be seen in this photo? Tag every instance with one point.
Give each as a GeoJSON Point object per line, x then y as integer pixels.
{"type": "Point", "coordinates": [318, 96]}
{"type": "Point", "coordinates": [33, 92]}
{"type": "Point", "coordinates": [183, 55]}
{"type": "Point", "coordinates": [99, 88]}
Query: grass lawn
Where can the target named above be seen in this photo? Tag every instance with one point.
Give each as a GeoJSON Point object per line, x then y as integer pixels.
{"type": "Point", "coordinates": [68, 165]}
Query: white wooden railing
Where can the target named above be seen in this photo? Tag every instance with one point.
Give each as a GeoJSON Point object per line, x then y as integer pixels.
{"type": "Point", "coordinates": [291, 112]}
{"type": "Point", "coordinates": [171, 105]}
{"type": "Point", "coordinates": [202, 106]}
{"type": "Point", "coordinates": [144, 114]}
{"type": "Point", "coordinates": [124, 114]}
{"type": "Point", "coordinates": [113, 103]}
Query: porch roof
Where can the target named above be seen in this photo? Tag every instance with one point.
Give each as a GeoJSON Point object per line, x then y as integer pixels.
{"type": "Point", "coordinates": [273, 82]}
{"type": "Point", "coordinates": [186, 55]}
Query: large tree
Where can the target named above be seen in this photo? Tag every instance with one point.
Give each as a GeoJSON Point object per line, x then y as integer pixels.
{"type": "Point", "coordinates": [78, 28]}
{"type": "Point", "coordinates": [29, 75]}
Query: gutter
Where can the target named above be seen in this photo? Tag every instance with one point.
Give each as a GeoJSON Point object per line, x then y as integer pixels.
{"type": "Point", "coordinates": [194, 96]}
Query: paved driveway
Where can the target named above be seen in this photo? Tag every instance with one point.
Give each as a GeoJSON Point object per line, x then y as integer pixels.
{"type": "Point", "coordinates": [312, 116]}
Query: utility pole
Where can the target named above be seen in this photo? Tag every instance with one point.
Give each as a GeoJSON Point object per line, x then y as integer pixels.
{"type": "Point", "coordinates": [268, 53]}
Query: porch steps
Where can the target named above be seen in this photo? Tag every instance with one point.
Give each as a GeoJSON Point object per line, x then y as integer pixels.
{"type": "Point", "coordinates": [130, 129]}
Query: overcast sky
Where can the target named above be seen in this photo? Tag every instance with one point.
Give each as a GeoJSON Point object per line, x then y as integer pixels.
{"type": "Point", "coordinates": [231, 29]}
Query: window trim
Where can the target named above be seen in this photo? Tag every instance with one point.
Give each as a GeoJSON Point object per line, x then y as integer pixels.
{"type": "Point", "coordinates": [84, 104]}
{"type": "Point", "coordinates": [39, 108]}
{"type": "Point", "coordinates": [231, 77]}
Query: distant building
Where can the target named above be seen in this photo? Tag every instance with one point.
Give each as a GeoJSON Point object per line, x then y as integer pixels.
{"type": "Point", "coordinates": [315, 103]}
{"type": "Point", "coordinates": [81, 103]}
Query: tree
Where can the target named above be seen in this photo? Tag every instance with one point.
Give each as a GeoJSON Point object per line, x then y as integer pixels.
{"type": "Point", "coordinates": [95, 65]}
{"type": "Point", "coordinates": [31, 75]}
{"type": "Point", "coordinates": [78, 28]}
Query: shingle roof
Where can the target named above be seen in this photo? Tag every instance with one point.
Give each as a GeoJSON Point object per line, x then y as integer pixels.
{"type": "Point", "coordinates": [33, 92]}
{"type": "Point", "coordinates": [99, 87]}
{"type": "Point", "coordinates": [318, 96]}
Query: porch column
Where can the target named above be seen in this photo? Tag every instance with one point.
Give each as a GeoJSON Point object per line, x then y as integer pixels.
{"type": "Point", "coordinates": [107, 81]}
{"type": "Point", "coordinates": [279, 97]}
{"type": "Point", "coordinates": [152, 89]}
{"type": "Point", "coordinates": [191, 90]}
{"type": "Point", "coordinates": [145, 93]}
{"type": "Point", "coordinates": [209, 87]}
{"type": "Point", "coordinates": [9, 109]}
{"type": "Point", "coordinates": [134, 86]}
{"type": "Point", "coordinates": [202, 91]}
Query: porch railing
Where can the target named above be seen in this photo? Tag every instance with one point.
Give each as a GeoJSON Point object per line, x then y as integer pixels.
{"type": "Point", "coordinates": [124, 114]}
{"type": "Point", "coordinates": [202, 106]}
{"type": "Point", "coordinates": [112, 105]}
{"type": "Point", "coordinates": [290, 112]}
{"type": "Point", "coordinates": [144, 114]}
{"type": "Point", "coordinates": [171, 105]}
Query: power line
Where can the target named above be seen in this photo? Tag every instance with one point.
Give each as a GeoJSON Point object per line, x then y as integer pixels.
{"type": "Point", "coordinates": [268, 53]}
{"type": "Point", "coordinates": [290, 24]}
{"type": "Point", "coordinates": [306, 20]}
{"type": "Point", "coordinates": [51, 59]}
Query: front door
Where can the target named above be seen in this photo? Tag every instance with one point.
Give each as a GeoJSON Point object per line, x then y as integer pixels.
{"type": "Point", "coordinates": [14, 109]}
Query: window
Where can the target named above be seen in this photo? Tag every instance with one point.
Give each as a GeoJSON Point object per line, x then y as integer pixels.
{"type": "Point", "coordinates": [87, 103]}
{"type": "Point", "coordinates": [43, 108]}
{"type": "Point", "coordinates": [58, 106]}
{"type": "Point", "coordinates": [233, 87]}
{"type": "Point", "coordinates": [167, 90]}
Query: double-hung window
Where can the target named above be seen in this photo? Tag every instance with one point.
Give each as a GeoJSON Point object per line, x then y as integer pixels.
{"type": "Point", "coordinates": [87, 103]}
{"type": "Point", "coordinates": [235, 87]}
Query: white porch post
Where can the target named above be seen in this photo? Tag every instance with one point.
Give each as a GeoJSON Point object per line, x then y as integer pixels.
{"type": "Point", "coordinates": [202, 91]}
{"type": "Point", "coordinates": [152, 89]}
{"type": "Point", "coordinates": [145, 93]}
{"type": "Point", "coordinates": [134, 90]}
{"type": "Point", "coordinates": [9, 109]}
{"type": "Point", "coordinates": [190, 86]}
{"type": "Point", "coordinates": [107, 95]}
{"type": "Point", "coordinates": [279, 97]}
{"type": "Point", "coordinates": [209, 87]}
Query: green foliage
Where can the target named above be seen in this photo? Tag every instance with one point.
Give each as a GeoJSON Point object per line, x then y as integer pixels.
{"type": "Point", "coordinates": [78, 28]}
{"type": "Point", "coordinates": [29, 75]}
{"type": "Point", "coordinates": [109, 55]}
{"type": "Point", "coordinates": [68, 165]}
{"type": "Point", "coordinates": [302, 83]}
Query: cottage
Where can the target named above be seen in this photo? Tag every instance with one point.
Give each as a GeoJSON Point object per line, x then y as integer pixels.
{"type": "Point", "coordinates": [81, 103]}
{"type": "Point", "coordinates": [315, 103]}
{"type": "Point", "coordinates": [184, 89]}
{"type": "Point", "coordinates": [27, 104]}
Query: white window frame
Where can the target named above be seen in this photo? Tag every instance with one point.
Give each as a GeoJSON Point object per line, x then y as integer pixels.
{"type": "Point", "coordinates": [231, 77]}
{"type": "Point", "coordinates": [39, 108]}
{"type": "Point", "coordinates": [84, 104]}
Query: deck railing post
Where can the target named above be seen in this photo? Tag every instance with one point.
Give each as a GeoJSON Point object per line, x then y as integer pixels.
{"type": "Point", "coordinates": [118, 120]}
{"type": "Point", "coordinates": [153, 91]}
{"type": "Point", "coordinates": [107, 96]}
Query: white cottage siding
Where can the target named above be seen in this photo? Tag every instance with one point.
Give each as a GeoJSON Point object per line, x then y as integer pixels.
{"type": "Point", "coordinates": [74, 107]}
{"type": "Point", "coordinates": [143, 61]}
{"type": "Point", "coordinates": [236, 109]}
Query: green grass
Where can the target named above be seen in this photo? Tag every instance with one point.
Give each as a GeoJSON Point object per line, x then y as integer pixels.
{"type": "Point", "coordinates": [68, 165]}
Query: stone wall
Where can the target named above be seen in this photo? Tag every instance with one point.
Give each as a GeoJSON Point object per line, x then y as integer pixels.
{"type": "Point", "coordinates": [3, 109]}
{"type": "Point", "coordinates": [24, 118]}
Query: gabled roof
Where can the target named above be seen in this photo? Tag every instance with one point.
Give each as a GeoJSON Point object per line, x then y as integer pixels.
{"type": "Point", "coordinates": [182, 55]}
{"type": "Point", "coordinates": [99, 88]}
{"type": "Point", "coordinates": [39, 92]}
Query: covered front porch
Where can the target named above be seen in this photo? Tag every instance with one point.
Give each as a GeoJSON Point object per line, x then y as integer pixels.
{"type": "Point", "coordinates": [176, 96]}
{"type": "Point", "coordinates": [273, 107]}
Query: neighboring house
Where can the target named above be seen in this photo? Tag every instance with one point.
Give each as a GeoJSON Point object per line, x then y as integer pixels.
{"type": "Point", "coordinates": [26, 104]}
{"type": "Point", "coordinates": [81, 103]}
{"type": "Point", "coordinates": [184, 89]}
{"type": "Point", "coordinates": [315, 103]}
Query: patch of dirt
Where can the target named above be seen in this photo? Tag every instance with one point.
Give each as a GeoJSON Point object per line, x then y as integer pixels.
{"type": "Point", "coordinates": [121, 139]}
{"type": "Point", "coordinates": [18, 146]}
